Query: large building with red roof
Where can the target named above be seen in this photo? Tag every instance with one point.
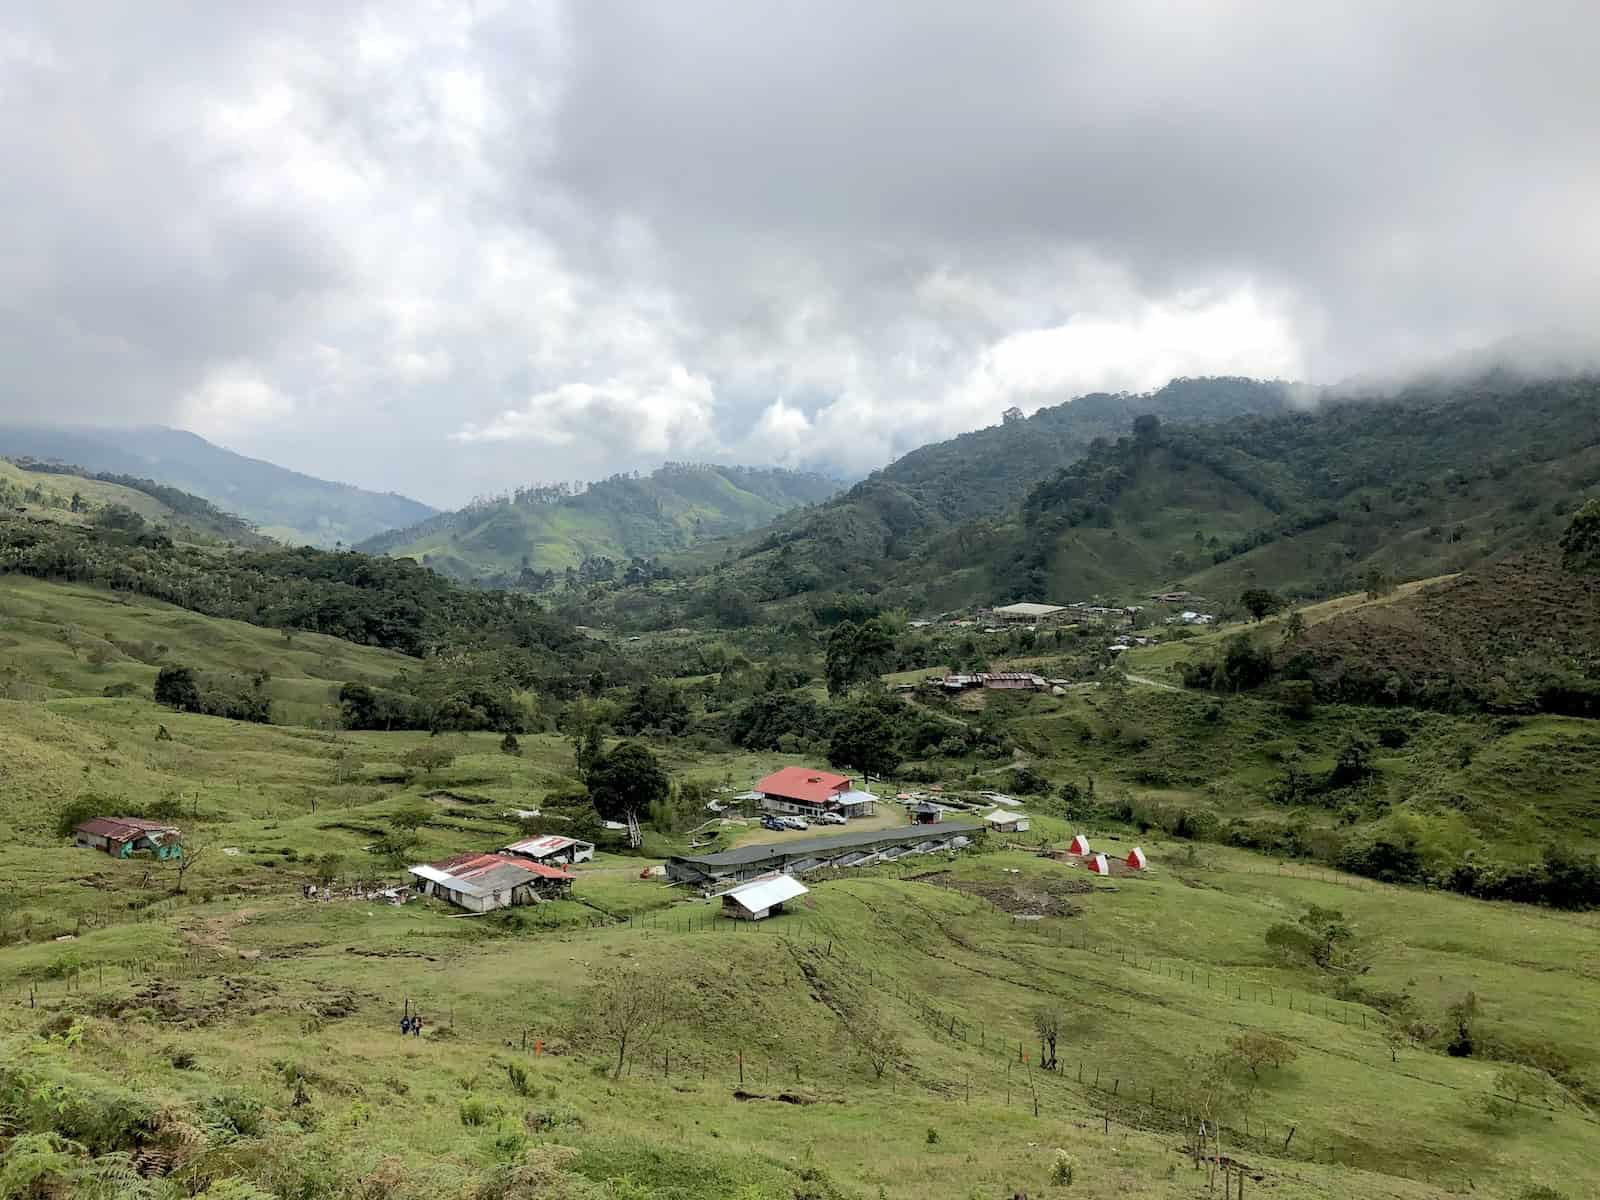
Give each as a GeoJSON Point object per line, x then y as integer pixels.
{"type": "Point", "coordinates": [808, 793]}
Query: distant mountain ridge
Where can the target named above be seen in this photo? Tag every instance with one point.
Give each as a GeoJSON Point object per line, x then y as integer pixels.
{"type": "Point", "coordinates": [1432, 479]}
{"type": "Point", "coordinates": [283, 504]}
{"type": "Point", "coordinates": [536, 536]}
{"type": "Point", "coordinates": [880, 527]}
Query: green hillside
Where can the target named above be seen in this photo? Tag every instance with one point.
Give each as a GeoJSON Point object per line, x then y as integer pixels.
{"type": "Point", "coordinates": [69, 495]}
{"type": "Point", "coordinates": [237, 1031]}
{"type": "Point", "coordinates": [283, 504]}
{"type": "Point", "coordinates": [885, 523]}
{"type": "Point", "coordinates": [540, 536]}
{"type": "Point", "coordinates": [1420, 484]}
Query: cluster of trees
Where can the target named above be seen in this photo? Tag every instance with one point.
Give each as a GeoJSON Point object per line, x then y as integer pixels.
{"type": "Point", "coordinates": [386, 602]}
{"type": "Point", "coordinates": [1561, 878]}
{"type": "Point", "coordinates": [870, 731]}
{"type": "Point", "coordinates": [180, 688]}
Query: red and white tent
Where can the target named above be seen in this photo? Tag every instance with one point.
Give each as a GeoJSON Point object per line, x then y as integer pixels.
{"type": "Point", "coordinates": [1099, 865]}
{"type": "Point", "coordinates": [1080, 845]}
{"type": "Point", "coordinates": [1136, 859]}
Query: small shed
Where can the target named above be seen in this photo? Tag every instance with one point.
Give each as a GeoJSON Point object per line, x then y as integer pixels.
{"type": "Point", "coordinates": [761, 897]}
{"type": "Point", "coordinates": [551, 848]}
{"type": "Point", "coordinates": [925, 813]}
{"type": "Point", "coordinates": [1003, 820]}
{"type": "Point", "coordinates": [1098, 864]}
{"type": "Point", "coordinates": [123, 837]}
{"type": "Point", "coordinates": [856, 803]}
{"type": "Point", "coordinates": [1136, 859]}
{"type": "Point", "coordinates": [1080, 845]}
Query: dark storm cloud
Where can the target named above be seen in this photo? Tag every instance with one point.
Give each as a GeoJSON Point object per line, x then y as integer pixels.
{"type": "Point", "coordinates": [445, 250]}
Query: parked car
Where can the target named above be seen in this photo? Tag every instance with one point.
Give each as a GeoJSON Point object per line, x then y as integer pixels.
{"type": "Point", "coordinates": [797, 823]}
{"type": "Point", "coordinates": [773, 823]}
{"type": "Point", "coordinates": [830, 818]}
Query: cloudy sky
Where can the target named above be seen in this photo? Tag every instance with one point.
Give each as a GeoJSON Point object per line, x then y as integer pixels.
{"type": "Point", "coordinates": [448, 248]}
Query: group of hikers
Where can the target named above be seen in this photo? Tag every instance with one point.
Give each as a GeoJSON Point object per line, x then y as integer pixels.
{"type": "Point", "coordinates": [411, 1025]}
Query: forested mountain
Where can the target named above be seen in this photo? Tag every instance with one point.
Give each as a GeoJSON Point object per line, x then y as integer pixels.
{"type": "Point", "coordinates": [884, 522]}
{"type": "Point", "coordinates": [537, 537]}
{"type": "Point", "coordinates": [1429, 481]}
{"type": "Point", "coordinates": [283, 504]}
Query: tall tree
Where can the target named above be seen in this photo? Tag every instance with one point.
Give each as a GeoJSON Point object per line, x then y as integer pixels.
{"type": "Point", "coordinates": [865, 739]}
{"type": "Point", "coordinates": [627, 781]}
{"type": "Point", "coordinates": [1259, 602]}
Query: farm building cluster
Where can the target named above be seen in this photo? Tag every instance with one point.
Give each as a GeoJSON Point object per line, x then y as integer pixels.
{"type": "Point", "coordinates": [801, 791]}
{"type": "Point", "coordinates": [525, 872]}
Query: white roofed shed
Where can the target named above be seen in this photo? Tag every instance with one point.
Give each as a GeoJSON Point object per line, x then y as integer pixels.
{"type": "Point", "coordinates": [762, 897]}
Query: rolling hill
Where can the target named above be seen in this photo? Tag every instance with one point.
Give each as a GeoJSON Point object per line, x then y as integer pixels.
{"type": "Point", "coordinates": [537, 535]}
{"type": "Point", "coordinates": [71, 496]}
{"type": "Point", "coordinates": [883, 523]}
{"type": "Point", "coordinates": [283, 504]}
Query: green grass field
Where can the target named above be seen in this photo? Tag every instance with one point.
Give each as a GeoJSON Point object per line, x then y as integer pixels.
{"type": "Point", "coordinates": [249, 1032]}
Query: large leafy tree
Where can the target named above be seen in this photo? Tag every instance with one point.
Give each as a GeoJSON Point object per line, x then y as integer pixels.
{"type": "Point", "coordinates": [176, 688]}
{"type": "Point", "coordinates": [627, 780]}
{"type": "Point", "coordinates": [1259, 602]}
{"type": "Point", "coordinates": [857, 653]}
{"type": "Point", "coordinates": [865, 739]}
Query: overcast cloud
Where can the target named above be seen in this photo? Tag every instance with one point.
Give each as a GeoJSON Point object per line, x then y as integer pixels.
{"type": "Point", "coordinates": [447, 248]}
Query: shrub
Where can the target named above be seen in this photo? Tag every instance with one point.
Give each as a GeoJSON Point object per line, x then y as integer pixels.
{"type": "Point", "coordinates": [520, 1082]}
{"type": "Point", "coordinates": [475, 1112]}
{"type": "Point", "coordinates": [933, 1136]}
{"type": "Point", "coordinates": [1062, 1168]}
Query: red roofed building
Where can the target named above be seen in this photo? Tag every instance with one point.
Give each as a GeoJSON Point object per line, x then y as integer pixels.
{"type": "Point", "coordinates": [807, 792]}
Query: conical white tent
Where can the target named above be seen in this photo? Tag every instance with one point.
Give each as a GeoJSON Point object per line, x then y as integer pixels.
{"type": "Point", "coordinates": [1099, 865]}
{"type": "Point", "coordinates": [1136, 859]}
{"type": "Point", "coordinates": [1080, 845]}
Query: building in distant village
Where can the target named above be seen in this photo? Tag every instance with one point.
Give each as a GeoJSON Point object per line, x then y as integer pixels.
{"type": "Point", "coordinates": [1028, 614]}
{"type": "Point", "coordinates": [551, 848]}
{"type": "Point", "coordinates": [803, 792]}
{"type": "Point", "coordinates": [123, 837]}
{"type": "Point", "coordinates": [761, 897]}
{"type": "Point", "coordinates": [1007, 820]}
{"type": "Point", "coordinates": [992, 681]}
{"type": "Point", "coordinates": [485, 882]}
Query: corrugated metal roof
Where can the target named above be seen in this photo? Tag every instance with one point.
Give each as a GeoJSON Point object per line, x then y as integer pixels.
{"type": "Point", "coordinates": [434, 875]}
{"type": "Point", "coordinates": [1030, 610]}
{"type": "Point", "coordinates": [122, 828]}
{"type": "Point", "coordinates": [545, 845]}
{"type": "Point", "coordinates": [479, 874]}
{"type": "Point", "coordinates": [806, 847]}
{"type": "Point", "coordinates": [766, 891]}
{"type": "Point", "coordinates": [802, 783]}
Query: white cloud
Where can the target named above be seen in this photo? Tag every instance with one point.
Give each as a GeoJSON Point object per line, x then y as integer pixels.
{"type": "Point", "coordinates": [231, 400]}
{"type": "Point", "coordinates": [416, 244]}
{"type": "Point", "coordinates": [660, 417]}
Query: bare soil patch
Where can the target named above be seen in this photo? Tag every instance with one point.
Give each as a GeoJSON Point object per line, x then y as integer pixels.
{"type": "Point", "coordinates": [1019, 898]}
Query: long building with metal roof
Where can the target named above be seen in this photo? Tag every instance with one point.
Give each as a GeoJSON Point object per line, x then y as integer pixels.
{"type": "Point", "coordinates": [802, 855]}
